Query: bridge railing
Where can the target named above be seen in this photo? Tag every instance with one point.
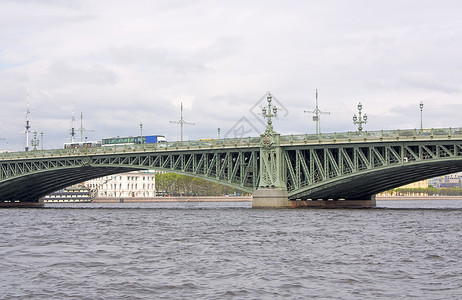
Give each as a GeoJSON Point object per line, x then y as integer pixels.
{"type": "Point", "coordinates": [380, 135]}
{"type": "Point", "coordinates": [212, 143]}
{"type": "Point", "coordinates": [336, 137]}
{"type": "Point", "coordinates": [168, 146]}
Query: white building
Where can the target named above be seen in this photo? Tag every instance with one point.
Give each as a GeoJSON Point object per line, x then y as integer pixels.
{"type": "Point", "coordinates": [124, 185]}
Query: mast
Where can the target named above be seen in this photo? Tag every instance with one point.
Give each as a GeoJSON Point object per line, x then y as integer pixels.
{"type": "Point", "coordinates": [26, 148]}
{"type": "Point", "coordinates": [181, 122]}
{"type": "Point", "coordinates": [81, 129]}
{"type": "Point", "coordinates": [317, 114]}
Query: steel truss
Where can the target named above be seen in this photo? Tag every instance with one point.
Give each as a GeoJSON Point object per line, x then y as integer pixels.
{"type": "Point", "coordinates": [238, 168]}
{"type": "Point", "coordinates": [40, 176]}
{"type": "Point", "coordinates": [361, 170]}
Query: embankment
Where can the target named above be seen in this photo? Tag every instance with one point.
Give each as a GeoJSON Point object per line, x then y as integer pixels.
{"type": "Point", "coordinates": [174, 199]}
{"type": "Point", "coordinates": [419, 198]}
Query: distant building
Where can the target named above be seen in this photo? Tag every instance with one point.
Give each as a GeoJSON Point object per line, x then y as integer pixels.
{"type": "Point", "coordinates": [447, 181]}
{"type": "Point", "coordinates": [434, 182]}
{"type": "Point", "coordinates": [414, 185]}
{"type": "Point", "coordinates": [125, 185]}
{"type": "Point", "coordinates": [441, 182]}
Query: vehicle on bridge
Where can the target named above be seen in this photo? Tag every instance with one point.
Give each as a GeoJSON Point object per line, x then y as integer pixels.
{"type": "Point", "coordinates": [133, 140]}
{"type": "Point", "coordinates": [86, 144]}
{"type": "Point", "coordinates": [208, 142]}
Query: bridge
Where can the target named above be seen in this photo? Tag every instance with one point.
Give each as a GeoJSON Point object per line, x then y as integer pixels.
{"type": "Point", "coordinates": [312, 170]}
{"type": "Point", "coordinates": [341, 169]}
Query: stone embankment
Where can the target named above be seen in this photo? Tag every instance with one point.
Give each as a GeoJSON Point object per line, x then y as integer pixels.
{"type": "Point", "coordinates": [419, 198]}
{"type": "Point", "coordinates": [174, 199]}
{"type": "Point", "coordinates": [246, 199]}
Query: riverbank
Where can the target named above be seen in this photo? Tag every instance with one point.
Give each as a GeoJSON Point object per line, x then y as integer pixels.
{"type": "Point", "coordinates": [174, 199]}
{"type": "Point", "coordinates": [419, 198]}
{"type": "Point", "coordinates": [246, 199]}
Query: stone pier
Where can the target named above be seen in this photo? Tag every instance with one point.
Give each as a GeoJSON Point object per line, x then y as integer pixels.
{"type": "Point", "coordinates": [270, 198]}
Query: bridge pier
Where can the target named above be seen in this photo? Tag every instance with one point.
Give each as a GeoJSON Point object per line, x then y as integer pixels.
{"type": "Point", "coordinates": [22, 204]}
{"type": "Point", "coordinates": [270, 198]}
{"type": "Point", "coordinates": [321, 203]}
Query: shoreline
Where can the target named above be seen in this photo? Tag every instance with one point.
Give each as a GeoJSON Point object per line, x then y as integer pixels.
{"type": "Point", "coordinates": [174, 199]}
{"type": "Point", "coordinates": [247, 199]}
{"type": "Point", "coordinates": [391, 198]}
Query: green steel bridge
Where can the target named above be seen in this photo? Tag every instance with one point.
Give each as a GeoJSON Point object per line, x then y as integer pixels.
{"type": "Point", "coordinates": [281, 171]}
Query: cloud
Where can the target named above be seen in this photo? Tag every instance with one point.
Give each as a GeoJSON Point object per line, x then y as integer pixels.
{"type": "Point", "coordinates": [122, 63]}
{"type": "Point", "coordinates": [64, 73]}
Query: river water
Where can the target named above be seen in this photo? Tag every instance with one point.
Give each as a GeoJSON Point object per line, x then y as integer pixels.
{"type": "Point", "coordinates": [403, 249]}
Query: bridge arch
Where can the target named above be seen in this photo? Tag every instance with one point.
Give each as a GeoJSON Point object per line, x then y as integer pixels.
{"type": "Point", "coordinates": [27, 180]}
{"type": "Point", "coordinates": [361, 170]}
{"type": "Point", "coordinates": [364, 184]}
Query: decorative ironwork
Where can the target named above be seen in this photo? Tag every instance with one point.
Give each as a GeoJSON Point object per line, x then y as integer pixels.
{"type": "Point", "coordinates": [272, 111]}
{"type": "Point", "coordinates": [360, 120]}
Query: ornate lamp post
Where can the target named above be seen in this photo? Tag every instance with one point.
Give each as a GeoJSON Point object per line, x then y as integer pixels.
{"type": "Point", "coordinates": [141, 132]}
{"type": "Point", "coordinates": [269, 113]}
{"type": "Point", "coordinates": [360, 120]}
{"type": "Point", "coordinates": [421, 123]}
{"type": "Point", "coordinates": [34, 141]}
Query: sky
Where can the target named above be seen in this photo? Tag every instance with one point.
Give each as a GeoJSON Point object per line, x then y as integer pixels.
{"type": "Point", "coordinates": [122, 63]}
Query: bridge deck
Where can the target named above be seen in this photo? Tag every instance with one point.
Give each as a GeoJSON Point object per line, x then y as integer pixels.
{"type": "Point", "coordinates": [252, 142]}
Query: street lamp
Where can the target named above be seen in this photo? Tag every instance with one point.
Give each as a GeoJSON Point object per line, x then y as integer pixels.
{"type": "Point", "coordinates": [360, 120]}
{"type": "Point", "coordinates": [35, 142]}
{"type": "Point", "coordinates": [272, 111]}
{"type": "Point", "coordinates": [141, 132]}
{"type": "Point", "coordinates": [421, 123]}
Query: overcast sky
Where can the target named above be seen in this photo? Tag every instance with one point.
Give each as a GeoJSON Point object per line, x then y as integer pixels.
{"type": "Point", "coordinates": [125, 62]}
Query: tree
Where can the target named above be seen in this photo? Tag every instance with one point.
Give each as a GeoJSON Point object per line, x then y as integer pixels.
{"type": "Point", "coordinates": [177, 185]}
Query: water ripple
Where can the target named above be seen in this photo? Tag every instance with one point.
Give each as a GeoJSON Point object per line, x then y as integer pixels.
{"type": "Point", "coordinates": [217, 251]}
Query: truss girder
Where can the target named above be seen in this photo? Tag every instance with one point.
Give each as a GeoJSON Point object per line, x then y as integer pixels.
{"type": "Point", "coordinates": [315, 170]}
{"type": "Point", "coordinates": [235, 167]}
{"type": "Point", "coordinates": [225, 166]}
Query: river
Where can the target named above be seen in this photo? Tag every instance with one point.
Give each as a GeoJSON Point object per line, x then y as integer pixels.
{"type": "Point", "coordinates": [402, 249]}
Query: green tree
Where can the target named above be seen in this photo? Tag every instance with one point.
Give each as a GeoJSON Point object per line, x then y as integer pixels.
{"type": "Point", "coordinates": [176, 185]}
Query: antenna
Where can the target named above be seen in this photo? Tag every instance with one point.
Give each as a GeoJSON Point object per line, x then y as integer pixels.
{"type": "Point", "coordinates": [81, 129]}
{"type": "Point", "coordinates": [182, 122]}
{"type": "Point", "coordinates": [316, 113]}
